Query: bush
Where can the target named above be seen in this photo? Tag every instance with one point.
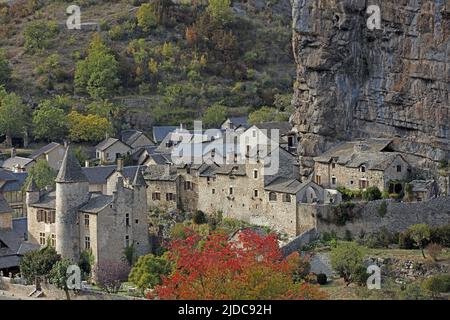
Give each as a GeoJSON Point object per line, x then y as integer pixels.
{"type": "Point", "coordinates": [372, 193]}
{"type": "Point", "coordinates": [437, 284]}
{"type": "Point", "coordinates": [200, 217]}
{"type": "Point", "coordinates": [434, 250]}
{"type": "Point", "coordinates": [39, 35]}
{"type": "Point", "coordinates": [322, 279]}
{"type": "Point", "coordinates": [441, 235]}
{"type": "Point", "coordinates": [146, 17]}
{"type": "Point", "coordinates": [5, 68]}
{"type": "Point", "coordinates": [405, 241]}
{"type": "Point", "coordinates": [347, 260]}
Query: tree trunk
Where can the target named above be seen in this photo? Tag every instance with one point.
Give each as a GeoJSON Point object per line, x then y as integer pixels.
{"type": "Point", "coordinates": [67, 294]}
{"type": "Point", "coordinates": [423, 253]}
{"type": "Point", "coordinates": [8, 141]}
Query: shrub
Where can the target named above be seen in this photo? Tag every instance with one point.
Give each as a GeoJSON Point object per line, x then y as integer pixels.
{"type": "Point", "coordinates": [146, 17]}
{"type": "Point", "coordinates": [322, 279]}
{"type": "Point", "coordinates": [437, 284]}
{"type": "Point", "coordinates": [420, 233]}
{"type": "Point", "coordinates": [200, 217]}
{"type": "Point", "coordinates": [382, 209]}
{"type": "Point", "coordinates": [372, 193]}
{"type": "Point", "coordinates": [405, 241]}
{"type": "Point", "coordinates": [434, 250]}
{"type": "Point", "coordinates": [441, 235]}
{"type": "Point", "coordinates": [347, 260]}
{"type": "Point", "coordinates": [5, 68]}
{"type": "Point", "coordinates": [39, 35]}
{"type": "Point", "coordinates": [343, 213]}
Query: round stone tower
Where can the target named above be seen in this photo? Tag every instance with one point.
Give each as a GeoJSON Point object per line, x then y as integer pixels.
{"type": "Point", "coordinates": [72, 190]}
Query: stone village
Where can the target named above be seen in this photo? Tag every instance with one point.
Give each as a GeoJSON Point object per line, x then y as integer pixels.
{"type": "Point", "coordinates": [105, 207]}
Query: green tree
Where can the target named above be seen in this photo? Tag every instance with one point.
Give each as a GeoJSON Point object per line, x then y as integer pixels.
{"type": "Point", "coordinates": [220, 10]}
{"type": "Point", "coordinates": [58, 275]}
{"type": "Point", "coordinates": [98, 73]}
{"type": "Point", "coordinates": [89, 127]}
{"type": "Point", "coordinates": [372, 193]}
{"type": "Point", "coordinates": [39, 35]}
{"type": "Point", "coordinates": [5, 68]}
{"type": "Point", "coordinates": [347, 260]}
{"type": "Point", "coordinates": [420, 233]}
{"type": "Point", "coordinates": [214, 116]}
{"type": "Point", "coordinates": [148, 270]}
{"type": "Point", "coordinates": [49, 122]}
{"type": "Point", "coordinates": [85, 263]}
{"type": "Point", "coordinates": [437, 284]}
{"type": "Point", "coordinates": [43, 175]}
{"type": "Point", "coordinates": [14, 115]}
{"type": "Point", "coordinates": [38, 263]}
{"type": "Point", "coordinates": [265, 114]}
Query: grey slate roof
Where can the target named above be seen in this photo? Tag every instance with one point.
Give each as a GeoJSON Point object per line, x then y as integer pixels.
{"type": "Point", "coordinates": [231, 169]}
{"type": "Point", "coordinates": [70, 170]}
{"type": "Point", "coordinates": [160, 173]}
{"type": "Point", "coordinates": [99, 175]}
{"type": "Point", "coordinates": [285, 185]}
{"type": "Point", "coordinates": [284, 127]}
{"type": "Point", "coordinates": [47, 201]}
{"type": "Point", "coordinates": [139, 179]}
{"type": "Point", "coordinates": [44, 149]}
{"type": "Point", "coordinates": [239, 121]}
{"type": "Point", "coordinates": [4, 206]}
{"type": "Point", "coordinates": [130, 136]}
{"type": "Point", "coordinates": [97, 203]}
{"type": "Point", "coordinates": [14, 181]}
{"type": "Point", "coordinates": [16, 161]}
{"type": "Point", "coordinates": [105, 144]}
{"type": "Point", "coordinates": [160, 132]}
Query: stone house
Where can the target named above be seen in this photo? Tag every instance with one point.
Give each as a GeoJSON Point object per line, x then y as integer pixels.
{"type": "Point", "coordinates": [11, 188]}
{"type": "Point", "coordinates": [13, 236]}
{"type": "Point", "coordinates": [359, 165]}
{"type": "Point", "coordinates": [53, 153]}
{"type": "Point", "coordinates": [423, 190]}
{"type": "Point", "coordinates": [135, 139]}
{"type": "Point", "coordinates": [18, 164]}
{"type": "Point", "coordinates": [234, 123]}
{"type": "Point", "coordinates": [73, 220]}
{"type": "Point", "coordinates": [110, 149]}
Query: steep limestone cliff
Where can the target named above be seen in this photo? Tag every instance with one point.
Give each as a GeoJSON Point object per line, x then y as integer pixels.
{"type": "Point", "coordinates": [353, 82]}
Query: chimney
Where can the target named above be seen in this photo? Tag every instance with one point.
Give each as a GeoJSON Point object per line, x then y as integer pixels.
{"type": "Point", "coordinates": [13, 152]}
{"type": "Point", "coordinates": [87, 163]}
{"type": "Point", "coordinates": [119, 164]}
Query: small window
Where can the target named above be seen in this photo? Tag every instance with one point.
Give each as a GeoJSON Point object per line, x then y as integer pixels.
{"type": "Point", "coordinates": [42, 238]}
{"type": "Point", "coordinates": [363, 169]}
{"type": "Point", "coordinates": [156, 196]}
{"type": "Point", "coordinates": [318, 179]}
{"type": "Point", "coordinates": [127, 219]}
{"type": "Point", "coordinates": [254, 133]}
{"type": "Point", "coordinates": [255, 193]}
{"type": "Point", "coordinates": [272, 196]}
{"type": "Point", "coordinates": [255, 174]}
{"type": "Point", "coordinates": [136, 221]}
{"type": "Point", "coordinates": [87, 243]}
{"type": "Point", "coordinates": [399, 168]}
{"type": "Point", "coordinates": [231, 191]}
{"type": "Point", "coordinates": [127, 241]}
{"type": "Point", "coordinates": [333, 180]}
{"type": "Point", "coordinates": [86, 220]}
{"type": "Point", "coordinates": [170, 197]}
{"type": "Point", "coordinates": [333, 165]}
{"type": "Point", "coordinates": [286, 197]}
{"type": "Point", "coordinates": [53, 240]}
{"type": "Point", "coordinates": [213, 191]}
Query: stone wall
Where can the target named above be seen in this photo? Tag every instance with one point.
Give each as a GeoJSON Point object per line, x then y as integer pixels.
{"type": "Point", "coordinates": [398, 216]}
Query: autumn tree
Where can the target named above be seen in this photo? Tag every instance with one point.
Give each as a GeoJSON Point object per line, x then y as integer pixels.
{"type": "Point", "coordinates": [89, 127]}
{"type": "Point", "coordinates": [218, 269]}
{"type": "Point", "coordinates": [14, 115]}
{"type": "Point", "coordinates": [98, 73]}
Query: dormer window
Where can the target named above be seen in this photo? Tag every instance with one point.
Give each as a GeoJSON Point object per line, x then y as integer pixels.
{"type": "Point", "coordinates": [362, 169]}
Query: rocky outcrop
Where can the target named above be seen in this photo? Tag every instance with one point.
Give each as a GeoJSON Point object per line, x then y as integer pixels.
{"type": "Point", "coordinates": [353, 82]}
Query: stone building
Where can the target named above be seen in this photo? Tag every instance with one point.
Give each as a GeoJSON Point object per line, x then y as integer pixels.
{"type": "Point", "coordinates": [73, 219]}
{"type": "Point", "coordinates": [52, 153]}
{"type": "Point", "coordinates": [359, 165]}
{"type": "Point", "coordinates": [111, 149]}
{"type": "Point", "coordinates": [135, 139]}
{"type": "Point", "coordinates": [11, 188]}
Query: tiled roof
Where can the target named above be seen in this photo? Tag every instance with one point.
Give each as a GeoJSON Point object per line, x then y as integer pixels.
{"type": "Point", "coordinates": [285, 185]}
{"type": "Point", "coordinates": [97, 203]}
{"type": "Point", "coordinates": [160, 173]}
{"type": "Point", "coordinates": [105, 144]}
{"type": "Point", "coordinates": [16, 161]}
{"type": "Point", "coordinates": [160, 132]}
{"type": "Point", "coordinates": [70, 170]}
{"type": "Point", "coordinates": [100, 174]}
{"type": "Point", "coordinates": [44, 149]}
{"type": "Point", "coordinates": [47, 201]}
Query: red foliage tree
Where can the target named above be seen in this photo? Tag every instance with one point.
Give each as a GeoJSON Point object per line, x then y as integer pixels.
{"type": "Point", "coordinates": [218, 269]}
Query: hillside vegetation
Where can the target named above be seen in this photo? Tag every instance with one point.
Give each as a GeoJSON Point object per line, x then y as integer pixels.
{"type": "Point", "coordinates": [140, 63]}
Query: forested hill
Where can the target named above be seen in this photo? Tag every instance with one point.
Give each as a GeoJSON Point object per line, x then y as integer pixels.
{"type": "Point", "coordinates": [148, 62]}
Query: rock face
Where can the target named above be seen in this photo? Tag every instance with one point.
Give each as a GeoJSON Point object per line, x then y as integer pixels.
{"type": "Point", "coordinates": [353, 82]}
